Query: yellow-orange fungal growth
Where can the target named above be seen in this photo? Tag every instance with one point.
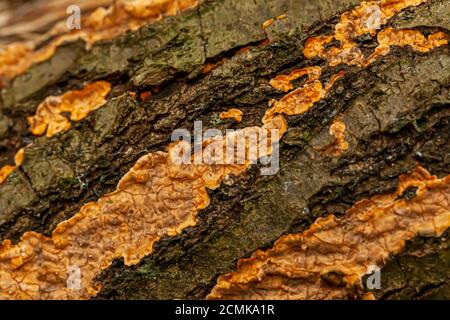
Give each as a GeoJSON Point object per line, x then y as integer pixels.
{"type": "Point", "coordinates": [269, 22]}
{"type": "Point", "coordinates": [284, 82]}
{"type": "Point", "coordinates": [79, 103]}
{"type": "Point", "coordinates": [329, 260]}
{"type": "Point", "coordinates": [402, 38]}
{"type": "Point", "coordinates": [159, 197]}
{"type": "Point", "coordinates": [302, 99]}
{"type": "Point", "coordinates": [234, 114]}
{"type": "Point", "coordinates": [367, 18]}
{"type": "Point", "coordinates": [7, 170]}
{"type": "Point", "coordinates": [101, 24]}
{"type": "Point", "coordinates": [390, 8]}
{"type": "Point", "coordinates": [339, 145]}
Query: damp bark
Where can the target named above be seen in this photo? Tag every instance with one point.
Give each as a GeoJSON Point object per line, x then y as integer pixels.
{"type": "Point", "coordinates": [396, 115]}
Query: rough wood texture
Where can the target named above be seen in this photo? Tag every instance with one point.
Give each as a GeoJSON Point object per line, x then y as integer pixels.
{"type": "Point", "coordinates": [396, 115]}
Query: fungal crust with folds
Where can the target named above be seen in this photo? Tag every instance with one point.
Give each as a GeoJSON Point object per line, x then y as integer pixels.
{"type": "Point", "coordinates": [368, 18]}
{"type": "Point", "coordinates": [158, 197]}
{"type": "Point", "coordinates": [328, 260]}
{"type": "Point", "coordinates": [79, 103]}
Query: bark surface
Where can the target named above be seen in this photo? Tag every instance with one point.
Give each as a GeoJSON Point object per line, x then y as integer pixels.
{"type": "Point", "coordinates": [396, 113]}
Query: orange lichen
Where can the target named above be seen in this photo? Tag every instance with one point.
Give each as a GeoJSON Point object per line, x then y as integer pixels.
{"type": "Point", "coordinates": [79, 103]}
{"type": "Point", "coordinates": [234, 114]}
{"type": "Point", "coordinates": [101, 24]}
{"type": "Point", "coordinates": [7, 170]}
{"type": "Point", "coordinates": [329, 259]}
{"type": "Point", "coordinates": [367, 18]}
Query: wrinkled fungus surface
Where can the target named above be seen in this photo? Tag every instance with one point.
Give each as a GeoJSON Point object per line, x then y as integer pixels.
{"type": "Point", "coordinates": [284, 82]}
{"type": "Point", "coordinates": [158, 197]}
{"type": "Point", "coordinates": [401, 38]}
{"type": "Point", "coordinates": [368, 18]}
{"type": "Point", "coordinates": [79, 103]}
{"type": "Point", "coordinates": [303, 98]}
{"type": "Point", "coordinates": [328, 260]}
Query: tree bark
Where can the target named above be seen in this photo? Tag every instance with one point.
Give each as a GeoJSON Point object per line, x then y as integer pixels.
{"type": "Point", "coordinates": [396, 113]}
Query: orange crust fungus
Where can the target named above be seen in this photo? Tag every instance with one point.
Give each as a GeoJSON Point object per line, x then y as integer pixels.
{"type": "Point", "coordinates": [234, 114]}
{"type": "Point", "coordinates": [328, 260]}
{"type": "Point", "coordinates": [79, 103]}
{"type": "Point", "coordinates": [402, 38]}
{"type": "Point", "coordinates": [284, 82]}
{"type": "Point", "coordinates": [102, 24]}
{"type": "Point", "coordinates": [7, 170]}
{"type": "Point", "coordinates": [301, 99]}
{"type": "Point", "coordinates": [158, 197]}
{"type": "Point", "coordinates": [368, 18]}
{"type": "Point", "coordinates": [339, 145]}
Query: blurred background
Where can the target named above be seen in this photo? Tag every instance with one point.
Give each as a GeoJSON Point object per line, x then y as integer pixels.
{"type": "Point", "coordinates": [30, 19]}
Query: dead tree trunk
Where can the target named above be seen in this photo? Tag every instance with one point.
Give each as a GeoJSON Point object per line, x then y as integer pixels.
{"type": "Point", "coordinates": [395, 112]}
